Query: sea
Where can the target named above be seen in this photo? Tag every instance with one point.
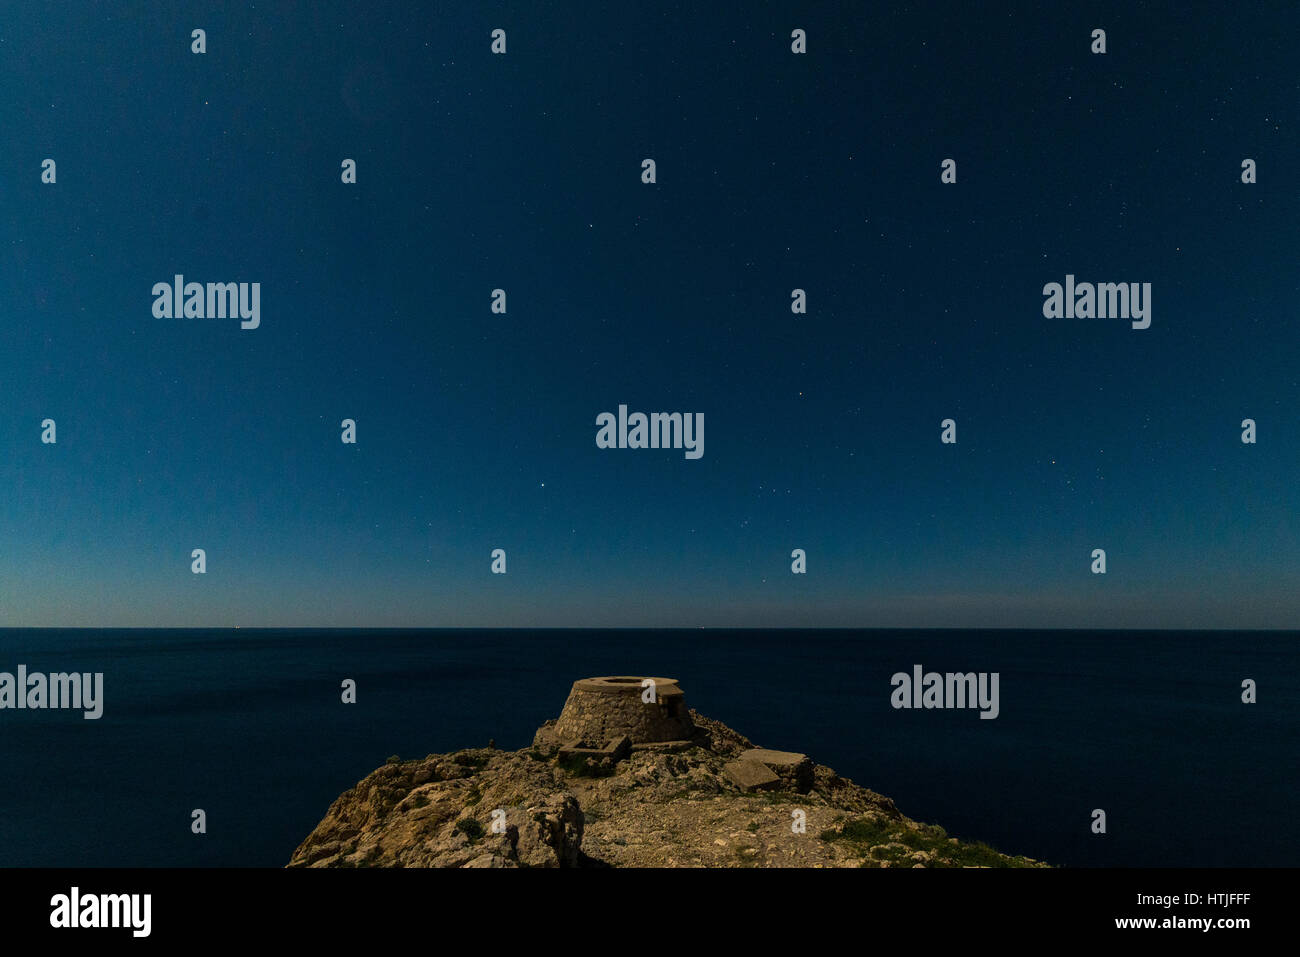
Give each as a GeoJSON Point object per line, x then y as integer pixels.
{"type": "Point", "coordinates": [250, 727]}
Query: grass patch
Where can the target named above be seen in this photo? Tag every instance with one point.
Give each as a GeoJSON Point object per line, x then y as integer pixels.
{"type": "Point", "coordinates": [979, 854]}
{"type": "Point", "coordinates": [896, 854]}
{"type": "Point", "coordinates": [471, 828]}
{"type": "Point", "coordinates": [577, 765]}
{"type": "Point", "coordinates": [467, 760]}
{"type": "Point", "coordinates": [863, 830]}
{"type": "Point", "coordinates": [865, 833]}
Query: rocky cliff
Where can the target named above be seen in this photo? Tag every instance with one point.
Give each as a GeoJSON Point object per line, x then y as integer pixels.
{"type": "Point", "coordinates": [708, 800]}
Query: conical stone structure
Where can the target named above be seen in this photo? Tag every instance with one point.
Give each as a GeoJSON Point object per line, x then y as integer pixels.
{"type": "Point", "coordinates": [608, 716]}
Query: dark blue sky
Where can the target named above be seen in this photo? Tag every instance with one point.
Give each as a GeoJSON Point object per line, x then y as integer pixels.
{"type": "Point", "coordinates": [775, 172]}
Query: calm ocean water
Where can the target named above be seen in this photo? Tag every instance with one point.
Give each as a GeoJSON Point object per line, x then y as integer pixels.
{"type": "Point", "coordinates": [248, 725]}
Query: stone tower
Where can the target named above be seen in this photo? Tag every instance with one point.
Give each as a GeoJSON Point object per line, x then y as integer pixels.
{"type": "Point", "coordinates": [606, 717]}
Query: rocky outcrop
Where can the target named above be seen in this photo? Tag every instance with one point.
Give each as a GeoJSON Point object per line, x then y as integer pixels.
{"type": "Point", "coordinates": [712, 800]}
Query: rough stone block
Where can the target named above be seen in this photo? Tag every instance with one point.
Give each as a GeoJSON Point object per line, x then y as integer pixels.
{"type": "Point", "coordinates": [794, 769]}
{"type": "Point", "coordinates": [751, 775]}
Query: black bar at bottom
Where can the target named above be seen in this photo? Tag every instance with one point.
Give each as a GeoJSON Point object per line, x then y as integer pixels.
{"type": "Point", "coordinates": [329, 907]}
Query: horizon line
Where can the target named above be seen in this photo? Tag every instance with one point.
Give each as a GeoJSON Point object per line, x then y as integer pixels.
{"type": "Point", "coordinates": [4, 628]}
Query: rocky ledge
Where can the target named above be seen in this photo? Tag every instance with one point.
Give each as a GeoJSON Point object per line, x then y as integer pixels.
{"type": "Point", "coordinates": [623, 787]}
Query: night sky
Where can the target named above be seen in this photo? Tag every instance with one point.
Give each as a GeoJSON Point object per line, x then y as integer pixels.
{"type": "Point", "coordinates": [775, 171]}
